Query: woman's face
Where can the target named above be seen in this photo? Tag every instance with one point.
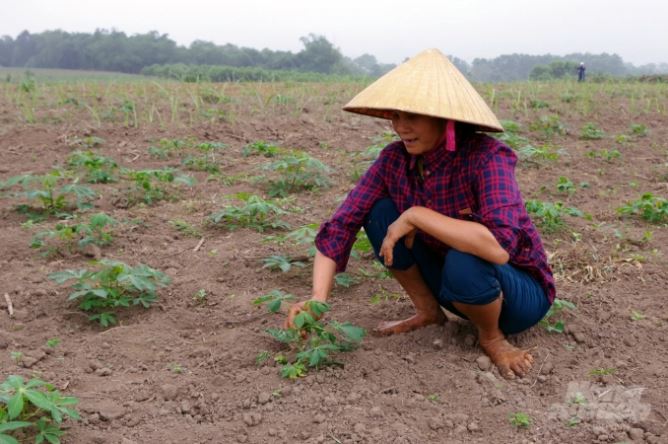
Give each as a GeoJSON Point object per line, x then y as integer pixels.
{"type": "Point", "coordinates": [418, 132]}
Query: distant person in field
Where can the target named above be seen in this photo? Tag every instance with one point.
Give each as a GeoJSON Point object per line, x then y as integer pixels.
{"type": "Point", "coordinates": [443, 212]}
{"type": "Point", "coordinates": [581, 72]}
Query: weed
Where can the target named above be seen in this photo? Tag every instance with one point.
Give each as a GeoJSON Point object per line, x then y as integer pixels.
{"type": "Point", "coordinates": [548, 321]}
{"type": "Point", "coordinates": [53, 342]}
{"type": "Point", "coordinates": [510, 126]}
{"type": "Point", "coordinates": [86, 142]}
{"type": "Point", "coordinates": [47, 189]}
{"type": "Point", "coordinates": [151, 186]}
{"type": "Point", "coordinates": [637, 316]}
{"type": "Point", "coordinates": [98, 169]}
{"type": "Point", "coordinates": [256, 213]}
{"type": "Point", "coordinates": [638, 130]}
{"type": "Point", "coordinates": [565, 185]}
{"type": "Point", "coordinates": [66, 237]}
{"type": "Point", "coordinates": [17, 357]}
{"type": "Point", "coordinates": [176, 368]}
{"type": "Point", "coordinates": [262, 357]}
{"type": "Point", "coordinates": [548, 126]}
{"type": "Point", "coordinates": [200, 296]}
{"type": "Point", "coordinates": [210, 147]}
{"type": "Point", "coordinates": [166, 148]}
{"type": "Point", "coordinates": [33, 408]}
{"type": "Point", "coordinates": [362, 245]}
{"type": "Point", "coordinates": [280, 262]}
{"type": "Point", "coordinates": [274, 299]}
{"type": "Point", "coordinates": [597, 372]}
{"type": "Point", "coordinates": [296, 171]}
{"type": "Point", "coordinates": [573, 421]}
{"type": "Point", "coordinates": [312, 343]}
{"type": "Point", "coordinates": [590, 131]}
{"type": "Point", "coordinates": [605, 154]}
{"type": "Point", "coordinates": [651, 208]}
{"type": "Point", "coordinates": [345, 280]}
{"type": "Point", "coordinates": [621, 139]}
{"type": "Point", "coordinates": [261, 148]}
{"type": "Point", "coordinates": [383, 296]}
{"type": "Point", "coordinates": [578, 399]}
{"type": "Point", "coordinates": [520, 420]}
{"type": "Point", "coordinates": [114, 284]}
{"type": "Point", "coordinates": [538, 154]}
{"type": "Point", "coordinates": [185, 228]}
{"type": "Point", "coordinates": [201, 163]}
{"type": "Point", "coordinates": [550, 215]}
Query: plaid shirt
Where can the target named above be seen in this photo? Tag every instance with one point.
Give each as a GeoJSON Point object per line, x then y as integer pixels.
{"type": "Point", "coordinates": [476, 182]}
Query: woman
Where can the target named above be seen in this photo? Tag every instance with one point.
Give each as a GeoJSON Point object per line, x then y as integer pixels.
{"type": "Point", "coordinates": [443, 212]}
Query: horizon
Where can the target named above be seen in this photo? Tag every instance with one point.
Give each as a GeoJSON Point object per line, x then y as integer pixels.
{"type": "Point", "coordinates": [595, 27]}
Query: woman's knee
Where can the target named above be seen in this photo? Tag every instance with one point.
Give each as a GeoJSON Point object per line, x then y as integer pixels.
{"type": "Point", "coordinates": [468, 279]}
{"type": "Point", "coordinates": [383, 213]}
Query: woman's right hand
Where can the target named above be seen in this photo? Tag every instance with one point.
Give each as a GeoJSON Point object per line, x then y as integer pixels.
{"type": "Point", "coordinates": [294, 310]}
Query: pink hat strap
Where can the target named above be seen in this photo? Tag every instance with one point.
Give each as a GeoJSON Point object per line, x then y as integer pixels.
{"type": "Point", "coordinates": [450, 136]}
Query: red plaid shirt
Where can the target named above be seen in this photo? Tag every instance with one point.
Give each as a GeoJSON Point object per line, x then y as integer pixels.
{"type": "Point", "coordinates": [476, 182]}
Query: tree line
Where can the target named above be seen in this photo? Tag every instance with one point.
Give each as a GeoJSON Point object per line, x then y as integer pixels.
{"type": "Point", "coordinates": [112, 50]}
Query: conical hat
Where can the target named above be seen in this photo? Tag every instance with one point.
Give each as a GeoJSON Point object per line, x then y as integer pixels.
{"type": "Point", "coordinates": [427, 84]}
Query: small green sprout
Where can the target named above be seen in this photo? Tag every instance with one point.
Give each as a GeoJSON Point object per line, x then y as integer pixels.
{"type": "Point", "coordinates": [520, 420]}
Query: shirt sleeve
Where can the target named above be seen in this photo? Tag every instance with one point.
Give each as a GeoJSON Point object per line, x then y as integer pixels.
{"type": "Point", "coordinates": [337, 236]}
{"type": "Point", "coordinates": [501, 208]}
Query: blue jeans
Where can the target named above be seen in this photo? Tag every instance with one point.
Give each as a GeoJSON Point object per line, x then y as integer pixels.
{"type": "Point", "coordinates": [462, 277]}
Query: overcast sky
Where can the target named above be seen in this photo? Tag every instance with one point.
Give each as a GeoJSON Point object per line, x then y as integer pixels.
{"type": "Point", "coordinates": [637, 30]}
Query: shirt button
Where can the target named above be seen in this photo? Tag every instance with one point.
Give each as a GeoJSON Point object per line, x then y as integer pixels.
{"type": "Point", "coordinates": [427, 173]}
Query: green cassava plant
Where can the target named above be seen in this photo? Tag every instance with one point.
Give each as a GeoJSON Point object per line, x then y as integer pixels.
{"type": "Point", "coordinates": [33, 409]}
{"type": "Point", "coordinates": [112, 285]}
{"type": "Point", "coordinates": [254, 212]}
{"type": "Point", "coordinates": [68, 237]}
{"type": "Point", "coordinates": [312, 344]}
{"type": "Point", "coordinates": [295, 172]}
{"type": "Point", "coordinates": [95, 168]}
{"type": "Point", "coordinates": [653, 209]}
{"type": "Point", "coordinates": [153, 185]}
{"type": "Point", "coordinates": [56, 193]}
{"type": "Point", "coordinates": [550, 321]}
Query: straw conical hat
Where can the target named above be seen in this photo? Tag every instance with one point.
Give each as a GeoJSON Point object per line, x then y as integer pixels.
{"type": "Point", "coordinates": [427, 84]}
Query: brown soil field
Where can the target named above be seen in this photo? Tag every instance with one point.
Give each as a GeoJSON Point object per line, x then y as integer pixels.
{"type": "Point", "coordinates": [185, 369]}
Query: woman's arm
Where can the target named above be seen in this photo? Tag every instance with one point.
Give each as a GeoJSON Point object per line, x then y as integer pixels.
{"type": "Point", "coordinates": [324, 270]}
{"type": "Point", "coordinates": [466, 236]}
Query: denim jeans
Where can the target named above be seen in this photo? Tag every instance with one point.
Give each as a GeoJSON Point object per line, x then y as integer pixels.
{"type": "Point", "coordinates": [462, 277]}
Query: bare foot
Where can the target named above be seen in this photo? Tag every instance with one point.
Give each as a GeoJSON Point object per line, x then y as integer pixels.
{"type": "Point", "coordinates": [510, 360]}
{"type": "Point", "coordinates": [416, 321]}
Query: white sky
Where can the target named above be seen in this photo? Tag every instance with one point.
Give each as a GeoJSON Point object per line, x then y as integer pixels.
{"type": "Point", "coordinates": [391, 30]}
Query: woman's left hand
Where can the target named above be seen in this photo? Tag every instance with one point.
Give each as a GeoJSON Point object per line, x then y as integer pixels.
{"type": "Point", "coordinates": [398, 229]}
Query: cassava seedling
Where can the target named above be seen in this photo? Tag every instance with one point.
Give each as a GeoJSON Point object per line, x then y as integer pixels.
{"type": "Point", "coordinates": [311, 343]}
{"type": "Point", "coordinates": [255, 213]}
{"type": "Point", "coordinates": [653, 209]}
{"type": "Point", "coordinates": [48, 189]}
{"type": "Point", "coordinates": [33, 409]}
{"type": "Point", "coordinates": [112, 285]}
{"type": "Point", "coordinates": [520, 420]}
{"type": "Point", "coordinates": [281, 262]}
{"type": "Point", "coordinates": [67, 237]}
{"type": "Point", "coordinates": [151, 186]}
{"type": "Point", "coordinates": [274, 299]}
{"type": "Point", "coordinates": [95, 168]}
{"type": "Point", "coordinates": [548, 321]}
{"type": "Point", "coordinates": [296, 171]}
